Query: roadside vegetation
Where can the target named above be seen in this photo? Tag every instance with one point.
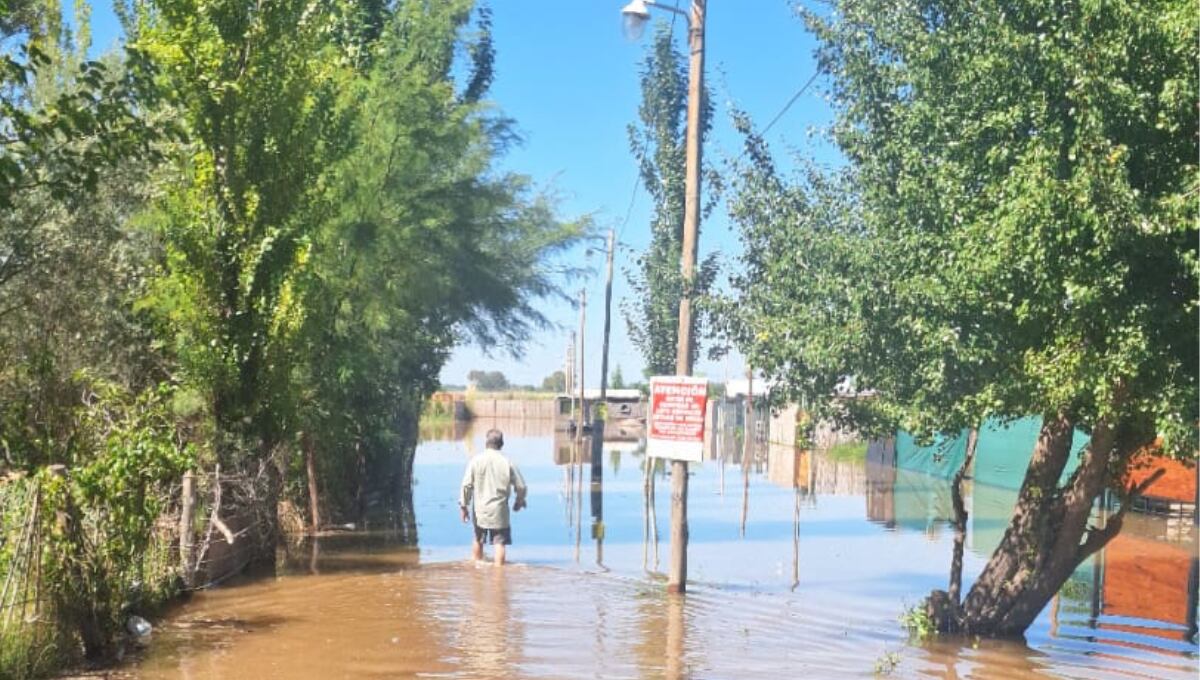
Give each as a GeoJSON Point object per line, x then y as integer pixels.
{"type": "Point", "coordinates": [1014, 234]}
{"type": "Point", "coordinates": [848, 451]}
{"type": "Point", "coordinates": [241, 246]}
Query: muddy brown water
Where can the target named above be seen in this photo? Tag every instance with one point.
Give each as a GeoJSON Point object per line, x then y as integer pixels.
{"type": "Point", "coordinates": [811, 584]}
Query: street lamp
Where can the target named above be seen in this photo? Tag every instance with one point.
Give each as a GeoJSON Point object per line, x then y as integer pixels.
{"type": "Point", "coordinates": [636, 14]}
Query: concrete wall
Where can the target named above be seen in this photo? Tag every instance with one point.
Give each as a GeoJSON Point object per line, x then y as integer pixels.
{"type": "Point", "coordinates": [541, 409]}
{"type": "Point", "coordinates": [783, 430]}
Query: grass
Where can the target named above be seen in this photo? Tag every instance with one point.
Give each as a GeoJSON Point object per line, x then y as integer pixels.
{"type": "Point", "coordinates": [887, 663]}
{"type": "Point", "coordinates": [25, 654]}
{"type": "Point", "coordinates": [917, 622]}
{"type": "Point", "coordinates": [850, 451]}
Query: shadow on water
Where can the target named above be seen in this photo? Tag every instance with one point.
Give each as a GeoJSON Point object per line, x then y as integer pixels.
{"type": "Point", "coordinates": [802, 571]}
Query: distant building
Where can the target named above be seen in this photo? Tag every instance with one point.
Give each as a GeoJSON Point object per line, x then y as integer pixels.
{"type": "Point", "coordinates": [626, 412]}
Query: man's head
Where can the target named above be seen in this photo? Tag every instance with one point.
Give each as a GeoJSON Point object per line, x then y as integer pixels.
{"type": "Point", "coordinates": [495, 439]}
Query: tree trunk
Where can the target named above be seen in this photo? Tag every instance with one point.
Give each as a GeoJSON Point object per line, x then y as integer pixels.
{"type": "Point", "coordinates": [960, 519]}
{"type": "Point", "coordinates": [310, 463]}
{"type": "Point", "coordinates": [1047, 537]}
{"type": "Point", "coordinates": [360, 490]}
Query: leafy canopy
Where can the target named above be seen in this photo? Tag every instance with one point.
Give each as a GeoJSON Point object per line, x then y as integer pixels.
{"type": "Point", "coordinates": [1015, 233]}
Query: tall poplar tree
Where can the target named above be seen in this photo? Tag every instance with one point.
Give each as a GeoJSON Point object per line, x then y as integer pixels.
{"type": "Point", "coordinates": [652, 313]}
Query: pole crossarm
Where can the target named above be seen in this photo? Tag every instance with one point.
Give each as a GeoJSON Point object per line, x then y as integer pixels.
{"type": "Point", "coordinates": [670, 8]}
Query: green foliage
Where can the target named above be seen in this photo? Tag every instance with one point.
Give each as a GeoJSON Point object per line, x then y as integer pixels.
{"type": "Point", "coordinates": [557, 382]}
{"type": "Point", "coordinates": [488, 381]}
{"type": "Point", "coordinates": [66, 118]}
{"type": "Point", "coordinates": [917, 622]}
{"type": "Point", "coordinates": [70, 264]}
{"type": "Point", "coordinates": [428, 246]}
{"type": "Point", "coordinates": [258, 88]}
{"type": "Point", "coordinates": [293, 264]}
{"type": "Point", "coordinates": [437, 411]}
{"type": "Point", "coordinates": [1013, 235]}
{"type": "Point", "coordinates": [887, 663]}
{"type": "Point", "coordinates": [658, 145]}
{"type": "Point", "coordinates": [618, 379]}
{"type": "Point", "coordinates": [86, 530]}
{"type": "Point", "coordinates": [848, 451]}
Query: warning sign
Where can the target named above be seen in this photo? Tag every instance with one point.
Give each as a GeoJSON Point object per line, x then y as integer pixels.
{"type": "Point", "coordinates": [677, 417]}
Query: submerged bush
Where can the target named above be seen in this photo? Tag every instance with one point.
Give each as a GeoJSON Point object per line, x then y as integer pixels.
{"type": "Point", "coordinates": [81, 545]}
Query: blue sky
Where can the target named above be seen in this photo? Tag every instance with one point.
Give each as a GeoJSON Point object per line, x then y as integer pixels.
{"type": "Point", "coordinates": [568, 76]}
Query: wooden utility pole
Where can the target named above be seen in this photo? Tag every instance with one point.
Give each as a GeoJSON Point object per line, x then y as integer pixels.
{"type": "Point", "coordinates": [569, 372]}
{"type": "Point", "coordinates": [750, 429]}
{"type": "Point", "coordinates": [677, 567]}
{"type": "Point", "coordinates": [597, 495]}
{"type": "Point", "coordinates": [582, 403]}
{"type": "Point", "coordinates": [597, 421]}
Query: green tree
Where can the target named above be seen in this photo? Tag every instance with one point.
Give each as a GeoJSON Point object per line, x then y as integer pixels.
{"type": "Point", "coordinates": [257, 88]}
{"type": "Point", "coordinates": [555, 382]}
{"type": "Point", "coordinates": [430, 246]}
{"type": "Point", "coordinates": [618, 380]}
{"type": "Point", "coordinates": [85, 399]}
{"type": "Point", "coordinates": [652, 312]}
{"type": "Point", "coordinates": [488, 381]}
{"type": "Point", "coordinates": [66, 118]}
{"type": "Point", "coordinates": [1015, 235]}
{"type": "Point", "coordinates": [71, 263]}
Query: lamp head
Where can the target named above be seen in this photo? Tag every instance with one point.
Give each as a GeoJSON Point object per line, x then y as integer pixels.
{"type": "Point", "coordinates": [634, 17]}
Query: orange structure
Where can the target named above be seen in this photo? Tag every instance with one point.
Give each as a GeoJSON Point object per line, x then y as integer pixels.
{"type": "Point", "coordinates": [1177, 484]}
{"type": "Point", "coordinates": [1149, 579]}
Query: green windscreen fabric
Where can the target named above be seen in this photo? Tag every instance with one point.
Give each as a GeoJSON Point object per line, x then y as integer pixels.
{"type": "Point", "coordinates": [990, 510]}
{"type": "Point", "coordinates": [942, 458]}
{"type": "Point", "coordinates": [1004, 450]}
{"type": "Point", "coordinates": [922, 502]}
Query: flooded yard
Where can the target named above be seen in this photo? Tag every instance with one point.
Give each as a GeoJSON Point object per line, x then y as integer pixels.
{"type": "Point", "coordinates": [800, 566]}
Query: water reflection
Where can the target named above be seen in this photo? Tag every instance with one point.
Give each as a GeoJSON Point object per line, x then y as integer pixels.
{"type": "Point", "coordinates": [807, 568]}
{"type": "Point", "coordinates": [490, 636]}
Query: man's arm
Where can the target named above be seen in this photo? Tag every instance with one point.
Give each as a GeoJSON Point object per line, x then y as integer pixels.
{"type": "Point", "coordinates": [466, 491]}
{"type": "Point", "coordinates": [518, 483]}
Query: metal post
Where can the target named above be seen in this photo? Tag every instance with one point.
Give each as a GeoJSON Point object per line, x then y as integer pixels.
{"type": "Point", "coordinates": [677, 567]}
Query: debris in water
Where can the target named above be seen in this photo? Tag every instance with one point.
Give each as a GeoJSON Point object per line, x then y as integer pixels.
{"type": "Point", "coordinates": [138, 627]}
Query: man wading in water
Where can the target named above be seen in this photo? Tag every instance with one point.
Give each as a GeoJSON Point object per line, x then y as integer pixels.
{"type": "Point", "coordinates": [485, 486]}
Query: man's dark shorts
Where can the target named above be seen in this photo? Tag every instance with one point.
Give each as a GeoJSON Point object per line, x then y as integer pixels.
{"type": "Point", "coordinates": [493, 536]}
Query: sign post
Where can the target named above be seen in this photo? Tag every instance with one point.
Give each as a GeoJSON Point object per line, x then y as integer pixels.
{"type": "Point", "coordinates": [677, 406]}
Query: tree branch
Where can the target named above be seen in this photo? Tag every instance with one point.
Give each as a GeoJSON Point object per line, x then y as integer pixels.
{"type": "Point", "coordinates": [1098, 537]}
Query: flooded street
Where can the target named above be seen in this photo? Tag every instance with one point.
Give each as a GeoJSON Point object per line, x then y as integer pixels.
{"type": "Point", "coordinates": [800, 566]}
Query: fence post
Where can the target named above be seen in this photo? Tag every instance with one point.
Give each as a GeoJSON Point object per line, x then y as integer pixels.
{"type": "Point", "coordinates": [187, 516]}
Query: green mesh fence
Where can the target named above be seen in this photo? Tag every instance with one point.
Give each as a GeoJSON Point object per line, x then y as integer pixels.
{"type": "Point", "coordinates": [1004, 449]}
{"type": "Point", "coordinates": [922, 503]}
{"type": "Point", "coordinates": [942, 458]}
{"type": "Point", "coordinates": [1002, 453]}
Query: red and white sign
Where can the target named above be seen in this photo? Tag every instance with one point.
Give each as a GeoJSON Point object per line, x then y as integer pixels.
{"type": "Point", "coordinates": [677, 417]}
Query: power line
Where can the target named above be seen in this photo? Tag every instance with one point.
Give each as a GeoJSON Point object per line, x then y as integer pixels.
{"type": "Point", "coordinates": [791, 101]}
{"type": "Point", "coordinates": [629, 210]}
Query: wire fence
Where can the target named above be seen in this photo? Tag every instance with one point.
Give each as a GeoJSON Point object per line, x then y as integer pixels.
{"type": "Point", "coordinates": [54, 553]}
